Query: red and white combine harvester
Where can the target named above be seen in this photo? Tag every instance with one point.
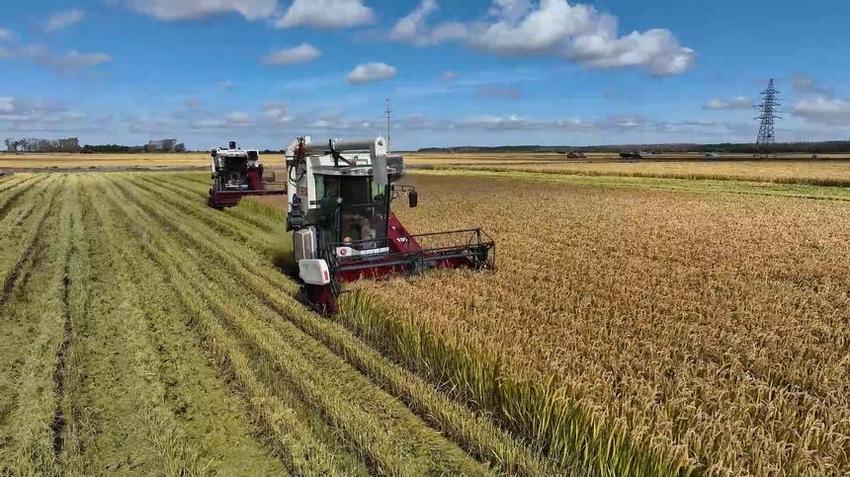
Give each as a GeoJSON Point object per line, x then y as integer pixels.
{"type": "Point", "coordinates": [340, 197]}
{"type": "Point", "coordinates": [237, 173]}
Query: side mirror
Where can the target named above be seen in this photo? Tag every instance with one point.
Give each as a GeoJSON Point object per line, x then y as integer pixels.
{"type": "Point", "coordinates": [413, 198]}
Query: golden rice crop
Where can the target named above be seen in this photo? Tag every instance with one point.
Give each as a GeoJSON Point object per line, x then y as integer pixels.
{"type": "Point", "coordinates": [826, 172]}
{"type": "Point", "coordinates": [712, 326]}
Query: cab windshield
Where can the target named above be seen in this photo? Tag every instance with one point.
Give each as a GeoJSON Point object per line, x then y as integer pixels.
{"type": "Point", "coordinates": [361, 216]}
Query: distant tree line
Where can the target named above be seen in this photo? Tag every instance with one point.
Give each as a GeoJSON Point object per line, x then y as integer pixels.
{"type": "Point", "coordinates": [165, 145]}
{"type": "Point", "coordinates": [73, 145]}
{"type": "Point", "coordinates": [153, 146]}
{"type": "Point", "coordinates": [32, 144]}
{"type": "Point", "coordinates": [825, 147]}
{"type": "Point", "coordinates": [111, 148]}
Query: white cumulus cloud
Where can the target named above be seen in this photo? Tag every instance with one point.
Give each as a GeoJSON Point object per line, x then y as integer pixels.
{"type": "Point", "coordinates": [61, 20]}
{"type": "Point", "coordinates": [413, 28]}
{"type": "Point", "coordinates": [288, 56]}
{"type": "Point", "coordinates": [326, 14]}
{"type": "Point", "coordinates": [740, 102]}
{"type": "Point", "coordinates": [36, 115]}
{"type": "Point", "coordinates": [371, 72]}
{"type": "Point", "coordinates": [806, 85]}
{"type": "Point", "coordinates": [823, 110]}
{"type": "Point", "coordinates": [239, 118]}
{"type": "Point", "coordinates": [72, 60]}
{"type": "Point", "coordinates": [276, 113]}
{"type": "Point", "coordinates": [172, 10]}
{"type": "Point", "coordinates": [575, 32]}
{"type": "Point", "coordinates": [75, 59]}
{"type": "Point", "coordinates": [7, 105]}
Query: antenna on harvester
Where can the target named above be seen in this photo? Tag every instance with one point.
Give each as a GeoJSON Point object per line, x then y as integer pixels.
{"type": "Point", "coordinates": [769, 108]}
{"type": "Point", "coordinates": [388, 111]}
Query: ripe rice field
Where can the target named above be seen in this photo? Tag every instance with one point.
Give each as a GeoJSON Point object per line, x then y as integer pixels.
{"type": "Point", "coordinates": [634, 326]}
{"type": "Point", "coordinates": [827, 173]}
{"type": "Point", "coordinates": [714, 325]}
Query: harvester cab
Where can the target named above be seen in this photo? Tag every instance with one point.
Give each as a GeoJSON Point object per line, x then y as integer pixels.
{"type": "Point", "coordinates": [237, 173]}
{"type": "Point", "coordinates": [340, 212]}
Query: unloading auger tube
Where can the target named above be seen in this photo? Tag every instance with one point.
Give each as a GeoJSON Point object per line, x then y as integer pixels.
{"type": "Point", "coordinates": [343, 228]}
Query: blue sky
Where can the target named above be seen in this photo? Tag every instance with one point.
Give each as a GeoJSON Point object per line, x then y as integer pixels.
{"type": "Point", "coordinates": [487, 72]}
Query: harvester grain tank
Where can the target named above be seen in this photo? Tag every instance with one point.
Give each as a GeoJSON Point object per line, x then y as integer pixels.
{"type": "Point", "coordinates": [237, 173]}
{"type": "Point", "coordinates": [343, 228]}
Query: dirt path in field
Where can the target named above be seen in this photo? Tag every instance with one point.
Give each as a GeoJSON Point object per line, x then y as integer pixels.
{"type": "Point", "coordinates": [146, 334]}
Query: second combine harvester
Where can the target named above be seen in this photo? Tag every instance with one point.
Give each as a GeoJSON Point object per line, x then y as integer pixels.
{"type": "Point", "coordinates": [340, 197]}
{"type": "Point", "coordinates": [237, 173]}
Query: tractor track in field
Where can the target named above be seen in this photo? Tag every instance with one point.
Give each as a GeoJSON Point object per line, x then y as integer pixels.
{"type": "Point", "coordinates": [313, 394]}
{"type": "Point", "coordinates": [414, 393]}
{"type": "Point", "coordinates": [161, 427]}
{"type": "Point", "coordinates": [17, 191]}
{"type": "Point", "coordinates": [33, 260]}
{"type": "Point", "coordinates": [19, 278]}
{"type": "Point", "coordinates": [58, 424]}
{"type": "Point", "coordinates": [27, 253]}
{"type": "Point", "coordinates": [222, 335]}
{"type": "Point", "coordinates": [155, 301]}
{"type": "Point", "coordinates": [217, 225]}
{"type": "Point", "coordinates": [182, 191]}
{"type": "Point", "coordinates": [13, 182]}
{"type": "Point", "coordinates": [186, 205]}
{"type": "Point", "coordinates": [224, 224]}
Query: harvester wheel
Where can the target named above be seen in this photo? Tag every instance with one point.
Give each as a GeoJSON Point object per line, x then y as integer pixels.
{"type": "Point", "coordinates": [321, 299]}
{"type": "Point", "coordinates": [212, 204]}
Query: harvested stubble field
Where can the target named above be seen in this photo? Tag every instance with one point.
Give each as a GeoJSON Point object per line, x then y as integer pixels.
{"type": "Point", "coordinates": [145, 334]}
{"type": "Point", "coordinates": [713, 325]}
{"type": "Point", "coordinates": [102, 161]}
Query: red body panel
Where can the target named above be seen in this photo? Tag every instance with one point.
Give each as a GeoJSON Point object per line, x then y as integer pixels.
{"type": "Point", "coordinates": [400, 240]}
{"type": "Point", "coordinates": [255, 178]}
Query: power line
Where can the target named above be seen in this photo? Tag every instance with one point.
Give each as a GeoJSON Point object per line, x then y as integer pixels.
{"type": "Point", "coordinates": [388, 111]}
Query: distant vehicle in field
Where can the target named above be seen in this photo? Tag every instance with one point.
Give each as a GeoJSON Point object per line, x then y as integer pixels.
{"type": "Point", "coordinates": [711, 155]}
{"type": "Point", "coordinates": [632, 155]}
{"type": "Point", "coordinates": [576, 155]}
{"type": "Point", "coordinates": [237, 173]}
